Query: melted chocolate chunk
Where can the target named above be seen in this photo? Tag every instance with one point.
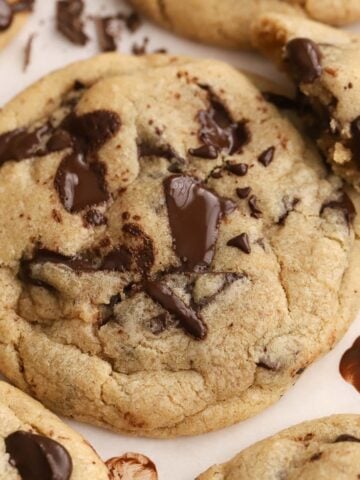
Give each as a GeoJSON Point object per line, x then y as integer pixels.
{"type": "Point", "coordinates": [243, 192]}
{"type": "Point", "coordinates": [41, 256]}
{"type": "Point", "coordinates": [304, 58]}
{"type": "Point", "coordinates": [218, 131]}
{"type": "Point", "coordinates": [80, 184]}
{"type": "Point", "coordinates": [194, 215]}
{"type": "Point", "coordinates": [239, 169]}
{"type": "Point", "coordinates": [20, 144]}
{"type": "Point", "coordinates": [80, 178]}
{"type": "Point", "coordinates": [289, 207]}
{"type": "Point", "coordinates": [38, 458]}
{"type": "Point", "coordinates": [280, 101]}
{"type": "Point", "coordinates": [345, 205]}
{"type": "Point", "coordinates": [189, 320]}
{"type": "Point", "coordinates": [266, 157]}
{"type": "Point", "coordinates": [69, 23]}
{"type": "Point", "coordinates": [241, 242]}
{"type": "Point", "coordinates": [118, 260]}
{"type": "Point", "coordinates": [350, 365]}
{"type": "Point", "coordinates": [346, 438]}
{"type": "Point", "coordinates": [254, 209]}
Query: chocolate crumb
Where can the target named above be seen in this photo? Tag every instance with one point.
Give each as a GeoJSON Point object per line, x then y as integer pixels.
{"type": "Point", "coordinates": [69, 20]}
{"type": "Point", "coordinates": [140, 49]}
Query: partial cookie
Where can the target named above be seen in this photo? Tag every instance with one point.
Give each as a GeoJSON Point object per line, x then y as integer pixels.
{"type": "Point", "coordinates": [35, 444]}
{"type": "Point", "coordinates": [13, 15]}
{"type": "Point", "coordinates": [324, 449]}
{"type": "Point", "coordinates": [227, 22]}
{"type": "Point", "coordinates": [174, 253]}
{"type": "Point", "coordinates": [324, 64]}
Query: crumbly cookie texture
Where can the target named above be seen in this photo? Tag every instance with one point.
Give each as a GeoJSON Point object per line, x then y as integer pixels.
{"type": "Point", "coordinates": [13, 15]}
{"type": "Point", "coordinates": [323, 449]}
{"type": "Point", "coordinates": [228, 23]}
{"type": "Point", "coordinates": [25, 425]}
{"type": "Point", "coordinates": [174, 253]}
{"type": "Point", "coordinates": [323, 63]}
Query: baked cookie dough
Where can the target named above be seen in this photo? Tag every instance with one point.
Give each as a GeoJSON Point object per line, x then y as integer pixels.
{"type": "Point", "coordinates": [323, 62]}
{"type": "Point", "coordinates": [174, 253]}
{"type": "Point", "coordinates": [228, 22]}
{"type": "Point", "coordinates": [323, 449]}
{"type": "Point", "coordinates": [13, 15]}
{"type": "Point", "coordinates": [35, 444]}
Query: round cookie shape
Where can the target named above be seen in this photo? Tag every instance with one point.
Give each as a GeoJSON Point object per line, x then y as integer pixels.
{"type": "Point", "coordinates": [36, 445]}
{"type": "Point", "coordinates": [13, 15]}
{"type": "Point", "coordinates": [228, 23]}
{"type": "Point", "coordinates": [322, 61]}
{"type": "Point", "coordinates": [323, 449]}
{"type": "Point", "coordinates": [204, 269]}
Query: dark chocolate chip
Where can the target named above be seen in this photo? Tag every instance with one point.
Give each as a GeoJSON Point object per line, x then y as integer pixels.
{"type": "Point", "coordinates": [304, 58]}
{"type": "Point", "coordinates": [239, 169]}
{"type": "Point", "coordinates": [189, 320]}
{"type": "Point", "coordinates": [38, 458]}
{"type": "Point", "coordinates": [350, 365]}
{"type": "Point", "coordinates": [243, 192]}
{"type": "Point", "coordinates": [346, 438]}
{"type": "Point", "coordinates": [194, 215]}
{"type": "Point", "coordinates": [345, 205]}
{"type": "Point", "coordinates": [69, 22]}
{"type": "Point", "coordinates": [266, 157]}
{"type": "Point", "coordinates": [241, 242]}
{"type": "Point", "coordinates": [218, 131]}
{"type": "Point", "coordinates": [254, 209]}
{"type": "Point", "coordinates": [280, 101]}
{"type": "Point", "coordinates": [80, 184]}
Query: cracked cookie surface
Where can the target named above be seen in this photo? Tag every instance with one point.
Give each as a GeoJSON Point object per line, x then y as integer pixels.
{"type": "Point", "coordinates": [209, 263]}
{"type": "Point", "coordinates": [228, 22]}
{"type": "Point", "coordinates": [323, 449]}
{"type": "Point", "coordinates": [323, 63]}
{"type": "Point", "coordinates": [35, 444]}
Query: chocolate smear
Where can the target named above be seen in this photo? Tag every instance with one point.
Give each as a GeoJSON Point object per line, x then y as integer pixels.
{"type": "Point", "coordinates": [194, 215]}
{"type": "Point", "coordinates": [38, 458]}
{"type": "Point", "coordinates": [345, 205]}
{"type": "Point", "coordinates": [189, 320]}
{"type": "Point", "coordinates": [218, 131]}
{"type": "Point", "coordinates": [350, 365]}
{"type": "Point", "coordinates": [266, 157]}
{"type": "Point", "coordinates": [69, 20]}
{"type": "Point", "coordinates": [241, 242]}
{"type": "Point", "coordinates": [304, 59]}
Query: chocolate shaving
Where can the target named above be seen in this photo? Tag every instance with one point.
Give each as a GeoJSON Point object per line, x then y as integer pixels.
{"type": "Point", "coordinates": [69, 21]}
{"type": "Point", "coordinates": [28, 51]}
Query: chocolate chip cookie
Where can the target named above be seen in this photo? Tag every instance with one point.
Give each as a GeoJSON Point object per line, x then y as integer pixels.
{"type": "Point", "coordinates": [173, 252]}
{"type": "Point", "coordinates": [323, 449]}
{"type": "Point", "coordinates": [323, 63]}
{"type": "Point", "coordinates": [35, 444]}
{"type": "Point", "coordinates": [13, 15]}
{"type": "Point", "coordinates": [228, 22]}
